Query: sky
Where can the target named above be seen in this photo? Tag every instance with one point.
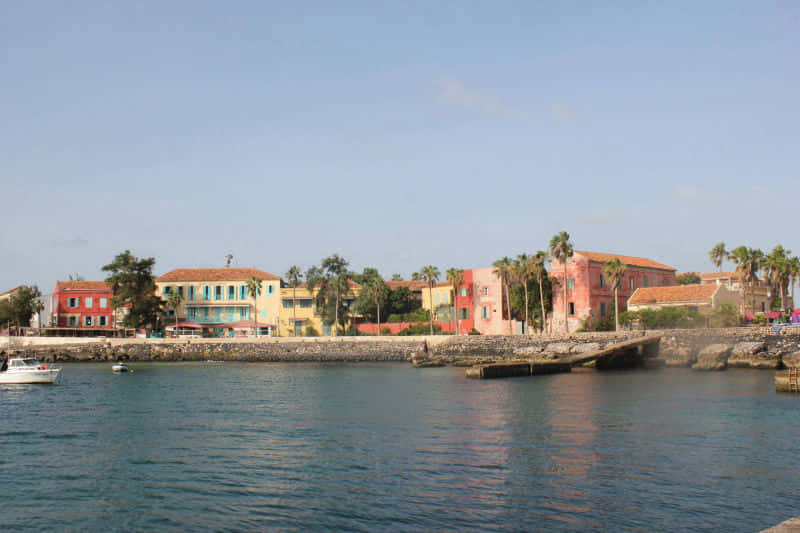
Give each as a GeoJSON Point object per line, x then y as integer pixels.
{"type": "Point", "coordinates": [395, 134]}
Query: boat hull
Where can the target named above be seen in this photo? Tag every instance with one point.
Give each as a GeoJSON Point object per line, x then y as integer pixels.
{"type": "Point", "coordinates": [30, 376]}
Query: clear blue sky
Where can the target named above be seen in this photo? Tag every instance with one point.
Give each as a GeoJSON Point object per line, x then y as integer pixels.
{"type": "Point", "coordinates": [397, 134]}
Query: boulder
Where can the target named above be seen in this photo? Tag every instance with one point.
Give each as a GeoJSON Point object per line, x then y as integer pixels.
{"type": "Point", "coordinates": [561, 348]}
{"type": "Point", "coordinates": [528, 351]}
{"type": "Point", "coordinates": [791, 360]}
{"type": "Point", "coordinates": [753, 355]}
{"type": "Point", "coordinates": [713, 357]}
{"type": "Point", "coordinates": [588, 347]}
{"type": "Point", "coordinates": [679, 357]}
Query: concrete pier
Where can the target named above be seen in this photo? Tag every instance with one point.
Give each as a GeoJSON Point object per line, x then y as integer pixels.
{"type": "Point", "coordinates": [512, 369]}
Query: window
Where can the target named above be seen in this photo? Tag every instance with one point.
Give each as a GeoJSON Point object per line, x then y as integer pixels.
{"type": "Point", "coordinates": [570, 284]}
{"type": "Point", "coordinates": [218, 313]}
{"type": "Point", "coordinates": [446, 298]}
{"type": "Point", "coordinates": [326, 329]}
{"type": "Point", "coordinates": [437, 298]}
{"type": "Point", "coordinates": [102, 321]}
{"type": "Point", "coordinates": [572, 308]}
{"type": "Point", "coordinates": [484, 312]}
{"type": "Point", "coordinates": [218, 292]}
{"type": "Point", "coordinates": [630, 281]}
{"type": "Point", "coordinates": [666, 282]}
{"type": "Point", "coordinates": [180, 290]}
{"type": "Point", "coordinates": [243, 313]}
{"type": "Point", "coordinates": [305, 303]}
{"type": "Point", "coordinates": [170, 312]}
{"type": "Point", "coordinates": [190, 292]}
{"type": "Point", "coordinates": [242, 292]}
{"type": "Point", "coordinates": [763, 307]}
{"type": "Point", "coordinates": [230, 314]}
{"type": "Point", "coordinates": [205, 313]}
{"type": "Point", "coordinates": [269, 290]}
{"type": "Point", "coordinates": [263, 313]}
{"type": "Point", "coordinates": [167, 289]}
{"type": "Point", "coordinates": [192, 311]}
{"type": "Point", "coordinates": [298, 328]}
{"type": "Point", "coordinates": [72, 321]}
{"type": "Point", "coordinates": [103, 303]}
{"type": "Point", "coordinates": [644, 281]}
{"type": "Point", "coordinates": [602, 281]}
{"type": "Point", "coordinates": [231, 292]}
{"type": "Point", "coordinates": [463, 313]}
{"type": "Point", "coordinates": [602, 309]}
{"type": "Point", "coordinates": [485, 291]}
{"type": "Point", "coordinates": [464, 291]}
{"type": "Point", "coordinates": [206, 292]}
{"type": "Point", "coordinates": [288, 303]}
{"type": "Point", "coordinates": [89, 302]}
{"type": "Point", "coordinates": [73, 302]}
{"type": "Point", "coordinates": [87, 321]}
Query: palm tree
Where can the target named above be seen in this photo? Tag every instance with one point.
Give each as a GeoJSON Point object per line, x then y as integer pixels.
{"type": "Point", "coordinates": [254, 290]}
{"type": "Point", "coordinates": [456, 277]}
{"type": "Point", "coordinates": [539, 272]}
{"type": "Point", "coordinates": [748, 262]}
{"type": "Point", "coordinates": [430, 275]}
{"type": "Point", "coordinates": [376, 290]}
{"type": "Point", "coordinates": [561, 250]}
{"type": "Point", "coordinates": [333, 280]}
{"type": "Point", "coordinates": [502, 269]}
{"type": "Point", "coordinates": [794, 273]}
{"type": "Point", "coordinates": [295, 276]}
{"type": "Point", "coordinates": [173, 302]}
{"type": "Point", "coordinates": [523, 270]}
{"type": "Point", "coordinates": [718, 254]}
{"type": "Point", "coordinates": [613, 270]}
{"type": "Point", "coordinates": [776, 264]}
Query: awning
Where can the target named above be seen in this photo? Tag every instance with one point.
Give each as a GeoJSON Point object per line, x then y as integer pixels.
{"type": "Point", "coordinates": [775, 314]}
{"type": "Point", "coordinates": [796, 312]}
{"type": "Point", "coordinates": [246, 324]}
{"type": "Point", "coordinates": [184, 325]}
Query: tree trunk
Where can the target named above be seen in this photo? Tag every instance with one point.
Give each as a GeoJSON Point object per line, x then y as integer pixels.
{"type": "Point", "coordinates": [541, 300]}
{"type": "Point", "coordinates": [336, 313]}
{"type": "Point", "coordinates": [616, 310]}
{"type": "Point", "coordinates": [430, 297]}
{"type": "Point", "coordinates": [566, 324]}
{"type": "Point", "coordinates": [378, 305]}
{"type": "Point", "coordinates": [525, 329]}
{"type": "Point", "coordinates": [455, 307]}
{"type": "Point", "coordinates": [294, 308]}
{"type": "Point", "coordinates": [255, 316]}
{"type": "Point", "coordinates": [508, 310]}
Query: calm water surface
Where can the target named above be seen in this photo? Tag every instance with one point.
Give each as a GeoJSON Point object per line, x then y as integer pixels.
{"type": "Point", "coordinates": [387, 447]}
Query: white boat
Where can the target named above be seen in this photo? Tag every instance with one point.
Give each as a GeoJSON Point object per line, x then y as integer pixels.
{"type": "Point", "coordinates": [27, 370]}
{"type": "Point", "coordinates": [120, 367]}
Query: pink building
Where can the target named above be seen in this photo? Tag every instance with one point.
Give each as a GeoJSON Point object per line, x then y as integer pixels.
{"type": "Point", "coordinates": [486, 302]}
{"type": "Point", "coordinates": [589, 296]}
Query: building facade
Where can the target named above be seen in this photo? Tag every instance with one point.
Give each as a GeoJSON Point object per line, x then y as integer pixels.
{"type": "Point", "coordinates": [589, 296]}
{"type": "Point", "coordinates": [217, 300]}
{"type": "Point", "coordinates": [705, 298]}
{"type": "Point", "coordinates": [754, 298]}
{"type": "Point", "coordinates": [83, 304]}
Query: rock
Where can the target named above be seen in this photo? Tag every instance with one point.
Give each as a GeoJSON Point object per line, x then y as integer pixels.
{"type": "Point", "coordinates": [679, 357]}
{"type": "Point", "coordinates": [528, 351]}
{"type": "Point", "coordinates": [559, 348]}
{"type": "Point", "coordinates": [791, 360]}
{"type": "Point", "coordinates": [713, 357]}
{"type": "Point", "coordinates": [753, 355]}
{"type": "Point", "coordinates": [588, 347]}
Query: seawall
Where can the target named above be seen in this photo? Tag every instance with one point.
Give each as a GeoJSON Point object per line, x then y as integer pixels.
{"type": "Point", "coordinates": [765, 347]}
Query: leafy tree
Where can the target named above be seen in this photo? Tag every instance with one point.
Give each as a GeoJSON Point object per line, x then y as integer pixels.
{"type": "Point", "coordinates": [295, 276]}
{"type": "Point", "coordinates": [430, 275]}
{"type": "Point", "coordinates": [311, 332]}
{"type": "Point", "coordinates": [401, 300]}
{"type": "Point", "coordinates": [524, 270]}
{"type": "Point", "coordinates": [134, 285]}
{"type": "Point", "coordinates": [456, 277]}
{"type": "Point", "coordinates": [397, 277]}
{"type": "Point", "coordinates": [537, 301]}
{"type": "Point", "coordinates": [779, 272]}
{"type": "Point", "coordinates": [374, 293]}
{"type": "Point", "coordinates": [718, 254]}
{"type": "Point", "coordinates": [20, 308]}
{"type": "Point", "coordinates": [333, 281]}
{"type": "Point", "coordinates": [794, 274]}
{"type": "Point", "coordinates": [254, 290]}
{"type": "Point", "coordinates": [687, 278]}
{"type": "Point", "coordinates": [540, 273]}
{"type": "Point", "coordinates": [613, 270]}
{"type": "Point", "coordinates": [665, 318]}
{"type": "Point", "coordinates": [173, 302]}
{"type": "Point", "coordinates": [561, 250]}
{"type": "Point", "coordinates": [503, 271]}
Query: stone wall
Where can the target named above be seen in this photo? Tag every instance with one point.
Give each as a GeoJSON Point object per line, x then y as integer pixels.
{"type": "Point", "coordinates": [744, 347]}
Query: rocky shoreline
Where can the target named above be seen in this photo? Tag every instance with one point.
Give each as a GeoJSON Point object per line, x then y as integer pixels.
{"type": "Point", "coordinates": [711, 349]}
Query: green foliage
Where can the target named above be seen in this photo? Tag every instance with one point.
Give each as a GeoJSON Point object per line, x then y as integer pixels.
{"type": "Point", "coordinates": [420, 329]}
{"type": "Point", "coordinates": [517, 299]}
{"type": "Point", "coordinates": [665, 318]}
{"type": "Point", "coordinates": [352, 331]}
{"type": "Point", "coordinates": [134, 285]}
{"type": "Point", "coordinates": [474, 331]}
{"type": "Point", "coordinates": [20, 308]}
{"type": "Point", "coordinates": [759, 320]}
{"type": "Point", "coordinates": [418, 315]}
{"type": "Point", "coordinates": [776, 304]}
{"type": "Point", "coordinates": [725, 316]}
{"type": "Point", "coordinates": [400, 301]}
{"type": "Point", "coordinates": [333, 281]}
{"type": "Point", "coordinates": [688, 278]}
{"type": "Point", "coordinates": [373, 297]}
{"type": "Point", "coordinates": [386, 331]}
{"type": "Point", "coordinates": [310, 332]}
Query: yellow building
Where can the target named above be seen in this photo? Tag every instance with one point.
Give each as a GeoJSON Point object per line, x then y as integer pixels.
{"type": "Point", "coordinates": [299, 310]}
{"type": "Point", "coordinates": [216, 300]}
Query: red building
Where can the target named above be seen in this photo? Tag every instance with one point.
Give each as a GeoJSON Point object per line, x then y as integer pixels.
{"type": "Point", "coordinates": [82, 304]}
{"type": "Point", "coordinates": [589, 296]}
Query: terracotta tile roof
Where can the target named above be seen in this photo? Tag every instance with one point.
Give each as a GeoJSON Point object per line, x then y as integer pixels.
{"type": "Point", "coordinates": [10, 291]}
{"type": "Point", "coordinates": [720, 275]}
{"type": "Point", "coordinates": [673, 294]}
{"type": "Point", "coordinates": [414, 285]}
{"type": "Point", "coordinates": [350, 282]}
{"type": "Point", "coordinates": [625, 259]}
{"type": "Point", "coordinates": [82, 285]}
{"type": "Point", "coordinates": [215, 274]}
